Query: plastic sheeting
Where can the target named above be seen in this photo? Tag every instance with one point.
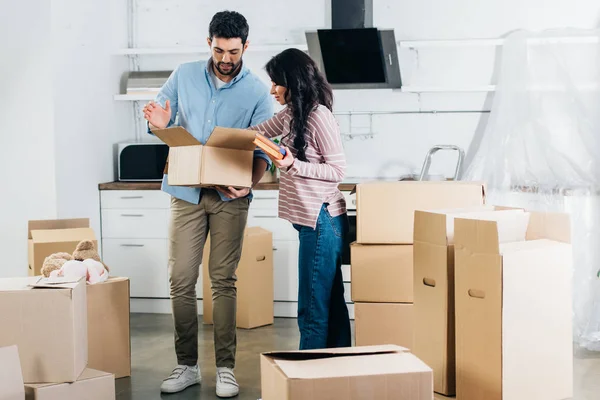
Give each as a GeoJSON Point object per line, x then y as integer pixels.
{"type": "Point", "coordinates": [541, 148]}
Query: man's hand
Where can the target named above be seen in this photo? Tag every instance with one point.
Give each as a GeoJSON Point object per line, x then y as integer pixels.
{"type": "Point", "coordinates": [233, 193]}
{"type": "Point", "coordinates": [156, 115]}
{"type": "Point", "coordinates": [286, 162]}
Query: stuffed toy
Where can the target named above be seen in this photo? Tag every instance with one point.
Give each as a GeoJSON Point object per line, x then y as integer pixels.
{"type": "Point", "coordinates": [93, 271]}
{"type": "Point", "coordinates": [85, 262]}
{"type": "Point", "coordinates": [54, 261]}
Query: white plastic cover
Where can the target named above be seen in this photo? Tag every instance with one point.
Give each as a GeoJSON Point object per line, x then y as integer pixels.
{"type": "Point", "coordinates": [541, 148]}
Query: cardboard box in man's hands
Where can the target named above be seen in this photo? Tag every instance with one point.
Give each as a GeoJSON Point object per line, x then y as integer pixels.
{"type": "Point", "coordinates": [225, 160]}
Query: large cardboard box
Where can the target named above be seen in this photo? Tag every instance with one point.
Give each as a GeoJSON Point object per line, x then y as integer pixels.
{"type": "Point", "coordinates": [225, 160]}
{"type": "Point", "coordinates": [46, 237]}
{"type": "Point", "coordinates": [382, 273]}
{"type": "Point", "coordinates": [11, 378]}
{"type": "Point", "coordinates": [434, 340]}
{"type": "Point", "coordinates": [49, 326]}
{"type": "Point", "coordinates": [384, 323]}
{"type": "Point", "coordinates": [513, 307]}
{"type": "Point", "coordinates": [254, 284]}
{"type": "Point", "coordinates": [360, 373]}
{"type": "Point", "coordinates": [91, 385]}
{"type": "Point", "coordinates": [109, 340]}
{"type": "Point", "coordinates": [385, 210]}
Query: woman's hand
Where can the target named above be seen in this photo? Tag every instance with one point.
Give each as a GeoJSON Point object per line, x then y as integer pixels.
{"type": "Point", "coordinates": [287, 160]}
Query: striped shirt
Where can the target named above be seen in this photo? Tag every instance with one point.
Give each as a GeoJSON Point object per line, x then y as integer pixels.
{"type": "Point", "coordinates": [307, 185]}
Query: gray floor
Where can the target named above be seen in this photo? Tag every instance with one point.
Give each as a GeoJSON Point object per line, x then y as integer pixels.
{"type": "Point", "coordinates": [153, 359]}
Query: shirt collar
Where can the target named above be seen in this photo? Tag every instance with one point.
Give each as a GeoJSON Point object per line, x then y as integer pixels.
{"type": "Point", "coordinates": [243, 72]}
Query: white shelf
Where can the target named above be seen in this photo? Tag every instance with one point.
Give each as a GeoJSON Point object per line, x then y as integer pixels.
{"type": "Point", "coordinates": [404, 89]}
{"type": "Point", "coordinates": [204, 49]}
{"type": "Point", "coordinates": [447, 89]}
{"type": "Point", "coordinates": [134, 97]}
{"type": "Point", "coordinates": [413, 44]}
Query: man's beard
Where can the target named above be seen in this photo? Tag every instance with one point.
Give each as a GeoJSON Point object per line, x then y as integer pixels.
{"type": "Point", "coordinates": [232, 70]}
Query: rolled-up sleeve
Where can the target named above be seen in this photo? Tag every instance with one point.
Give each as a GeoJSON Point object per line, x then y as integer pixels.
{"type": "Point", "coordinates": [263, 111]}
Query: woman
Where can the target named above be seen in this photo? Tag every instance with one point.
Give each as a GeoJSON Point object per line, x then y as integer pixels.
{"type": "Point", "coordinates": [309, 197]}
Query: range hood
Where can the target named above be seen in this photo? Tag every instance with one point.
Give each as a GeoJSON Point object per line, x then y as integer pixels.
{"type": "Point", "coordinates": [354, 54]}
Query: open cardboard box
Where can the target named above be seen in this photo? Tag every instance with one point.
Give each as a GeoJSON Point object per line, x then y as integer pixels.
{"type": "Point", "coordinates": [434, 340]}
{"type": "Point", "coordinates": [514, 335]}
{"type": "Point", "coordinates": [11, 378]}
{"type": "Point", "coordinates": [225, 160]}
{"type": "Point", "coordinates": [358, 373]}
{"type": "Point", "coordinates": [55, 236]}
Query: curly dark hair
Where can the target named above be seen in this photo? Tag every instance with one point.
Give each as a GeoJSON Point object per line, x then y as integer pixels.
{"type": "Point", "coordinates": [229, 25]}
{"type": "Point", "coordinates": [306, 87]}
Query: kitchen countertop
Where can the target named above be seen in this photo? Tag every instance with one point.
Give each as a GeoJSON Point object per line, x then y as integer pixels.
{"type": "Point", "coordinates": [156, 186]}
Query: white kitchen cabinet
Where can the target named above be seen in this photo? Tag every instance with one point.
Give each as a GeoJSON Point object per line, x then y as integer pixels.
{"type": "Point", "coordinates": [135, 199]}
{"type": "Point", "coordinates": [135, 223]}
{"type": "Point", "coordinates": [135, 244]}
{"type": "Point", "coordinates": [143, 261]}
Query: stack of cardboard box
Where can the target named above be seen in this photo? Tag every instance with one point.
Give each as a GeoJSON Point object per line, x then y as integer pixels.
{"type": "Point", "coordinates": [382, 257]}
{"type": "Point", "coordinates": [70, 337]}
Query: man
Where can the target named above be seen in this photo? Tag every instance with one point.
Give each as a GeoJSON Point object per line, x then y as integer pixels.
{"type": "Point", "coordinates": [219, 92]}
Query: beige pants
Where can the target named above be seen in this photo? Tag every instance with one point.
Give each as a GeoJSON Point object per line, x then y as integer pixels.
{"type": "Point", "coordinates": [188, 229]}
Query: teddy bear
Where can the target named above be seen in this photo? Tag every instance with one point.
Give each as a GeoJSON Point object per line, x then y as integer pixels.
{"type": "Point", "coordinates": [54, 261]}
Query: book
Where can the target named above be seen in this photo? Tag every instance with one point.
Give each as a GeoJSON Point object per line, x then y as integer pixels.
{"type": "Point", "coordinates": [268, 146]}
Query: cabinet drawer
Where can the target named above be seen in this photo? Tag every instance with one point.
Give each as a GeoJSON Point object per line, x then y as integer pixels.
{"type": "Point", "coordinates": [346, 273]}
{"type": "Point", "coordinates": [264, 200]}
{"type": "Point", "coordinates": [135, 223]}
{"type": "Point", "coordinates": [282, 229]}
{"type": "Point", "coordinates": [134, 199]}
{"type": "Point", "coordinates": [285, 270]}
{"type": "Point", "coordinates": [143, 261]}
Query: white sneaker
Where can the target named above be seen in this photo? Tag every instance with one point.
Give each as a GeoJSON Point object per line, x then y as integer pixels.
{"type": "Point", "coordinates": [227, 386]}
{"type": "Point", "coordinates": [181, 378]}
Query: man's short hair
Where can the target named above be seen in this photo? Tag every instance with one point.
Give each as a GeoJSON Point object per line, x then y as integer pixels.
{"type": "Point", "coordinates": [228, 25]}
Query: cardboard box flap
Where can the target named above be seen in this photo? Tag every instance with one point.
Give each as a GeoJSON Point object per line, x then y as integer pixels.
{"type": "Point", "coordinates": [63, 235]}
{"type": "Point", "coordinates": [57, 224]}
{"type": "Point", "coordinates": [483, 232]}
{"type": "Point", "coordinates": [529, 245]}
{"type": "Point", "coordinates": [335, 352]}
{"type": "Point", "coordinates": [553, 226]}
{"type": "Point", "coordinates": [11, 376]}
{"type": "Point", "coordinates": [430, 228]}
{"type": "Point", "coordinates": [55, 283]}
{"type": "Point", "coordinates": [231, 138]}
{"type": "Point", "coordinates": [437, 226]}
{"type": "Point", "coordinates": [16, 284]}
{"type": "Point", "coordinates": [176, 136]}
{"type": "Point", "coordinates": [341, 367]}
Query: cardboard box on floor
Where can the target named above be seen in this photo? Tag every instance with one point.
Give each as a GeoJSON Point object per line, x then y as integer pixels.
{"type": "Point", "coordinates": [360, 373]}
{"type": "Point", "coordinates": [11, 378]}
{"type": "Point", "coordinates": [384, 323]}
{"type": "Point", "coordinates": [49, 326]}
{"type": "Point", "coordinates": [91, 385]}
{"type": "Point", "coordinates": [225, 160]}
{"type": "Point", "coordinates": [434, 340]}
{"type": "Point", "coordinates": [254, 284]}
{"type": "Point", "coordinates": [46, 237]}
{"type": "Point", "coordinates": [513, 306]}
{"type": "Point", "coordinates": [109, 340]}
{"type": "Point", "coordinates": [385, 210]}
{"type": "Point", "coordinates": [382, 273]}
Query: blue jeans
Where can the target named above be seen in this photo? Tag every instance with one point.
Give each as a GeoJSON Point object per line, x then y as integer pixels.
{"type": "Point", "coordinates": [322, 312]}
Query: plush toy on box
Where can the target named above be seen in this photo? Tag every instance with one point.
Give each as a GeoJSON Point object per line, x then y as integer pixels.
{"type": "Point", "coordinates": [84, 262]}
